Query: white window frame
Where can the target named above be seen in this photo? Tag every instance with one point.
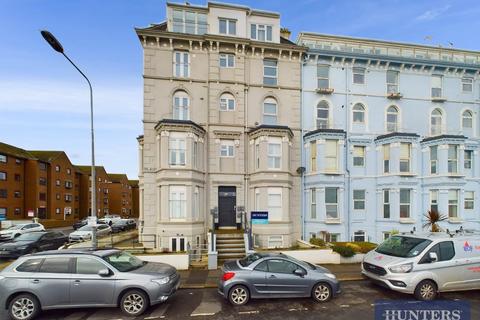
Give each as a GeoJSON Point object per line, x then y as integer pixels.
{"type": "Point", "coordinates": [358, 109]}
{"type": "Point", "coordinates": [198, 24]}
{"type": "Point", "coordinates": [452, 164]}
{"type": "Point", "coordinates": [433, 162]}
{"type": "Point", "coordinates": [322, 78]}
{"type": "Point", "coordinates": [275, 211]}
{"type": "Point", "coordinates": [274, 159]}
{"type": "Point", "coordinates": [313, 156]}
{"type": "Point", "coordinates": [359, 156]}
{"type": "Point", "coordinates": [468, 161]}
{"type": "Point", "coordinates": [467, 85]}
{"type": "Point", "coordinates": [407, 205]}
{"type": "Point", "coordinates": [437, 86]}
{"type": "Point", "coordinates": [177, 146]}
{"type": "Point", "coordinates": [3, 158]}
{"type": "Point", "coordinates": [228, 26]}
{"type": "Point", "coordinates": [177, 200]}
{"type": "Point", "coordinates": [257, 154]}
{"type": "Point", "coordinates": [359, 233]}
{"type": "Point", "coordinates": [313, 203]}
{"type": "Point", "coordinates": [227, 102]}
{"type": "Point", "coordinates": [436, 122]}
{"type": "Point", "coordinates": [434, 199]}
{"type": "Point", "coordinates": [386, 158]}
{"type": "Point", "coordinates": [467, 116]}
{"type": "Point", "coordinates": [227, 148]}
{"type": "Point", "coordinates": [177, 241]}
{"type": "Point", "coordinates": [405, 159]}
{"type": "Point", "coordinates": [330, 156]}
{"type": "Point", "coordinates": [322, 122]}
{"type": "Point", "coordinates": [358, 75]}
{"type": "Point", "coordinates": [273, 78]}
{"type": "Point", "coordinates": [389, 125]}
{"type": "Point", "coordinates": [392, 86]}
{"type": "Point", "coordinates": [181, 111]}
{"type": "Point", "coordinates": [257, 199]}
{"type": "Point", "coordinates": [256, 31]}
{"type": "Point", "coordinates": [469, 200]}
{"type": "Point", "coordinates": [453, 203]}
{"type": "Point", "coordinates": [226, 60]}
{"type": "Point", "coordinates": [272, 240]}
{"type": "Point", "coordinates": [270, 118]}
{"type": "Point", "coordinates": [329, 206]}
{"type": "Point", "coordinates": [196, 203]}
{"type": "Point", "coordinates": [359, 199]}
{"type": "Point", "coordinates": [386, 203]}
{"type": "Point", "coordinates": [181, 68]}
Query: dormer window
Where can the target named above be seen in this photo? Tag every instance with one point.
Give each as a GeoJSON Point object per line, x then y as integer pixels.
{"type": "Point", "coordinates": [189, 22]}
{"type": "Point", "coordinates": [227, 26]}
{"type": "Point", "coordinates": [261, 32]}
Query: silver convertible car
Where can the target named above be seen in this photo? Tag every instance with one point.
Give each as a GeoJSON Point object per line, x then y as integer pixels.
{"type": "Point", "coordinates": [84, 278]}
{"type": "Point", "coordinates": [275, 275]}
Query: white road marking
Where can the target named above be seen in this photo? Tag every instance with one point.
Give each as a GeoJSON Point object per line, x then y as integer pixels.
{"type": "Point", "coordinates": [248, 312]}
{"type": "Point", "coordinates": [298, 309]}
{"type": "Point", "coordinates": [344, 306]}
{"type": "Point", "coordinates": [202, 314]}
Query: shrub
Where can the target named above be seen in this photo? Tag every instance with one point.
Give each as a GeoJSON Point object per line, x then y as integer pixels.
{"type": "Point", "coordinates": [358, 247]}
{"type": "Point", "coordinates": [318, 242]}
{"type": "Point", "coordinates": [344, 250]}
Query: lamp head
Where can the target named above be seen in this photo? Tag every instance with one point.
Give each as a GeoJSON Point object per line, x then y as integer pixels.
{"type": "Point", "coordinates": [52, 41]}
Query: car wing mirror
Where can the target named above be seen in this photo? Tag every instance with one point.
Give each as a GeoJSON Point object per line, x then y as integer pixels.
{"type": "Point", "coordinates": [432, 256]}
{"type": "Point", "coordinates": [104, 273]}
{"type": "Point", "coordinates": [299, 272]}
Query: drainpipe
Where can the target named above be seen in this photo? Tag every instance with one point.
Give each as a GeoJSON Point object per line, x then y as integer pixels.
{"type": "Point", "coordinates": [206, 157]}
{"type": "Point", "coordinates": [245, 157]}
{"type": "Point", "coordinates": [347, 134]}
{"type": "Point", "coordinates": [302, 155]}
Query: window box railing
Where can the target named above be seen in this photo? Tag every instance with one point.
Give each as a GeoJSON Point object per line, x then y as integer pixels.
{"type": "Point", "coordinates": [439, 99]}
{"type": "Point", "coordinates": [325, 90]}
{"type": "Point", "coordinates": [394, 96]}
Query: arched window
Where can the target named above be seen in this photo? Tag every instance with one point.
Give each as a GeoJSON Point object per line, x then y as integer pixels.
{"type": "Point", "coordinates": [392, 119]}
{"type": "Point", "coordinates": [269, 111]}
{"type": "Point", "coordinates": [227, 102]}
{"type": "Point", "coordinates": [323, 115]}
{"type": "Point", "coordinates": [358, 113]}
{"type": "Point", "coordinates": [436, 122]}
{"type": "Point", "coordinates": [181, 104]}
{"type": "Point", "coordinates": [467, 119]}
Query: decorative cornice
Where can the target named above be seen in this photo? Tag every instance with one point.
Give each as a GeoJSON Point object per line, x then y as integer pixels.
{"type": "Point", "coordinates": [270, 130]}
{"type": "Point", "coordinates": [326, 132]}
{"type": "Point", "coordinates": [179, 125]}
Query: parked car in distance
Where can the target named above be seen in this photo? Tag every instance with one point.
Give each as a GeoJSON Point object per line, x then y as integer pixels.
{"type": "Point", "coordinates": [84, 278]}
{"type": "Point", "coordinates": [110, 219]}
{"type": "Point", "coordinates": [425, 264]}
{"type": "Point", "coordinates": [32, 242]}
{"type": "Point", "coordinates": [85, 233]}
{"type": "Point", "coordinates": [123, 225]}
{"type": "Point", "coordinates": [19, 229]}
{"type": "Point", "coordinates": [275, 275]}
{"type": "Point", "coordinates": [78, 224]}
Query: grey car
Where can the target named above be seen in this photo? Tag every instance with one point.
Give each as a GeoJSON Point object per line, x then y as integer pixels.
{"type": "Point", "coordinates": [275, 275]}
{"type": "Point", "coordinates": [63, 279]}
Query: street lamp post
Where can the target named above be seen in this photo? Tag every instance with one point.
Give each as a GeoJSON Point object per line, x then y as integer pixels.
{"type": "Point", "coordinates": [56, 45]}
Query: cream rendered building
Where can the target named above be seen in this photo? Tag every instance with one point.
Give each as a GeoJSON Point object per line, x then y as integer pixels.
{"type": "Point", "coordinates": [222, 136]}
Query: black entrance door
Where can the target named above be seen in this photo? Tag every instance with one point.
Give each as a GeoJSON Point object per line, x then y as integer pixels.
{"type": "Point", "coordinates": [227, 200]}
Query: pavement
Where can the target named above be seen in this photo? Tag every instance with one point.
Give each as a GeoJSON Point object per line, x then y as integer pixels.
{"type": "Point", "coordinates": [199, 278]}
{"type": "Point", "coordinates": [357, 301]}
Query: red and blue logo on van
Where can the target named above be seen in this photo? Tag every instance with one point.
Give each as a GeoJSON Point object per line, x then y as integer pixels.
{"type": "Point", "coordinates": [467, 247]}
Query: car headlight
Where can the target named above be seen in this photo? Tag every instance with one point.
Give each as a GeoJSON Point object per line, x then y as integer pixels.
{"type": "Point", "coordinates": [402, 268]}
{"type": "Point", "coordinates": [330, 275]}
{"type": "Point", "coordinates": [162, 280]}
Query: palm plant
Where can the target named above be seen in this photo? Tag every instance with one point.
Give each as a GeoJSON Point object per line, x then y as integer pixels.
{"type": "Point", "coordinates": [433, 217]}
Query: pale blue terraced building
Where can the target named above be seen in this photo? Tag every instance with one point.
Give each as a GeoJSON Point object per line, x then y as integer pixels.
{"type": "Point", "coordinates": [390, 131]}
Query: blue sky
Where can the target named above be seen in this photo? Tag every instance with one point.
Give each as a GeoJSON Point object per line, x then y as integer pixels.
{"type": "Point", "coordinates": [44, 101]}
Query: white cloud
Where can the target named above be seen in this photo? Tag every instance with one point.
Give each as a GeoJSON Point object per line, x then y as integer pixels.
{"type": "Point", "coordinates": [432, 14]}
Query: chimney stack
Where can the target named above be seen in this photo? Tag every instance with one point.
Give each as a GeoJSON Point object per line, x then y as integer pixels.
{"type": "Point", "coordinates": [285, 33]}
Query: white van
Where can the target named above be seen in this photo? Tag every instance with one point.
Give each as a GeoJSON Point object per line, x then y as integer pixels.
{"type": "Point", "coordinates": [425, 264]}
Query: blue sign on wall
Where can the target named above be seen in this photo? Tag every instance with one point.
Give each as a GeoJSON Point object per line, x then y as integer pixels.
{"type": "Point", "coordinates": [259, 217]}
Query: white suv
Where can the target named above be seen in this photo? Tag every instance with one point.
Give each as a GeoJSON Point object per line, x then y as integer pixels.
{"type": "Point", "coordinates": [110, 219]}
{"type": "Point", "coordinates": [16, 230]}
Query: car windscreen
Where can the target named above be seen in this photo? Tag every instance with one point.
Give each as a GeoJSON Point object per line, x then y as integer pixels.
{"type": "Point", "coordinates": [401, 246]}
{"type": "Point", "coordinates": [86, 228]}
{"type": "Point", "coordinates": [248, 260]}
{"type": "Point", "coordinates": [124, 261]}
{"type": "Point", "coordinates": [31, 236]}
{"type": "Point", "coordinates": [120, 223]}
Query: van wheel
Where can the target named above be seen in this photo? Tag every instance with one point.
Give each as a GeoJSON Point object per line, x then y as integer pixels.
{"type": "Point", "coordinates": [134, 303]}
{"type": "Point", "coordinates": [426, 290]}
{"type": "Point", "coordinates": [239, 295]}
{"type": "Point", "coordinates": [321, 292]}
{"type": "Point", "coordinates": [24, 307]}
